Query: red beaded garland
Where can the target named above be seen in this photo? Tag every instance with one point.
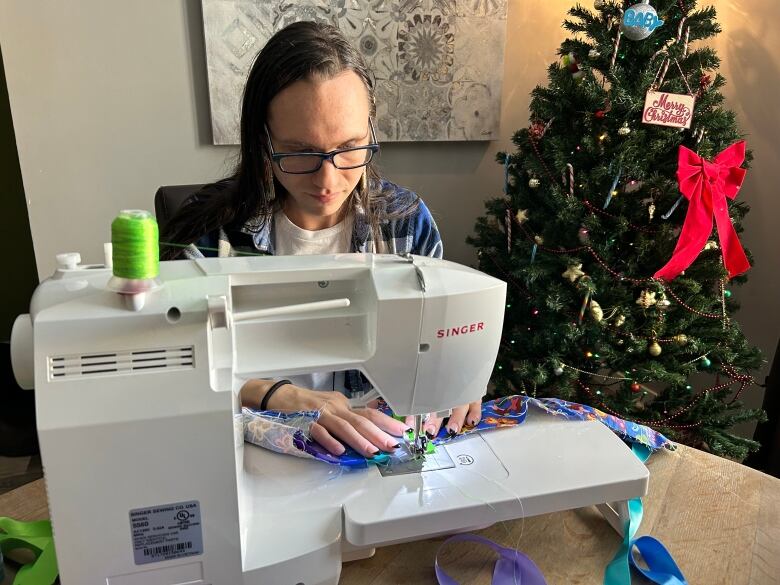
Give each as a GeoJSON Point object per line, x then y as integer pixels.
{"type": "Point", "coordinates": [621, 277]}
{"type": "Point", "coordinates": [539, 156]}
{"type": "Point", "coordinates": [663, 422]}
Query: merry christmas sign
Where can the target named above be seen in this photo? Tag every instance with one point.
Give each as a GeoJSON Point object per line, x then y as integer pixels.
{"type": "Point", "coordinates": [668, 109]}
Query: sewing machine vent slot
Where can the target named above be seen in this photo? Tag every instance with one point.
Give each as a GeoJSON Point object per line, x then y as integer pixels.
{"type": "Point", "coordinates": [121, 362]}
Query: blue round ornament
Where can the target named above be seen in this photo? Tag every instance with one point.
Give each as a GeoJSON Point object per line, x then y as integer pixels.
{"type": "Point", "coordinates": [639, 21]}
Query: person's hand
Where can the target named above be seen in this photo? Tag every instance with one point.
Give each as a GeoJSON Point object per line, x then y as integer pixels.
{"type": "Point", "coordinates": [469, 414]}
{"type": "Point", "coordinates": [367, 430]}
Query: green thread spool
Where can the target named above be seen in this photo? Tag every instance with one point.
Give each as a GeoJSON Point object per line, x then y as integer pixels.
{"type": "Point", "coordinates": [134, 239]}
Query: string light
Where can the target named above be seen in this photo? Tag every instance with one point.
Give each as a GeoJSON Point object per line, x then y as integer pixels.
{"type": "Point", "coordinates": [603, 376]}
{"type": "Point", "coordinates": [593, 209]}
{"type": "Point", "coordinates": [621, 277]}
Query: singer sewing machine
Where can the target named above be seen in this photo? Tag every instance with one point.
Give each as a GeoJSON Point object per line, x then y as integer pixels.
{"type": "Point", "coordinates": [149, 480]}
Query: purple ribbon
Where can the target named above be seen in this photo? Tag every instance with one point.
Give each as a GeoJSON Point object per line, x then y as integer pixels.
{"type": "Point", "coordinates": [512, 566]}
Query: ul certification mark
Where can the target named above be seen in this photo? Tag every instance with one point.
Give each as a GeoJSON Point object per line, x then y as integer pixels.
{"type": "Point", "coordinates": [165, 532]}
{"type": "Point", "coordinates": [464, 459]}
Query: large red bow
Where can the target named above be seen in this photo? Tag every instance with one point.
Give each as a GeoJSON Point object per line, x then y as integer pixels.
{"type": "Point", "coordinates": [707, 185]}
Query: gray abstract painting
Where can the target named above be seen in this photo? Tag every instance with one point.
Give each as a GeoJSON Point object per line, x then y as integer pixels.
{"type": "Point", "coordinates": [437, 63]}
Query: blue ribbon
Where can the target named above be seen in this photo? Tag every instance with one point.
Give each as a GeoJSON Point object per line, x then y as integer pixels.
{"type": "Point", "coordinates": [661, 567]}
{"type": "Point", "coordinates": [612, 188]}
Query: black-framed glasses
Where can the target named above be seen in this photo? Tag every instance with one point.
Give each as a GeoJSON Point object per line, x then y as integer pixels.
{"type": "Point", "coordinates": [302, 163]}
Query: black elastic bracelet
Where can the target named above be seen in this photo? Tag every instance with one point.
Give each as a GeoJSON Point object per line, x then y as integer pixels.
{"type": "Point", "coordinates": [271, 390]}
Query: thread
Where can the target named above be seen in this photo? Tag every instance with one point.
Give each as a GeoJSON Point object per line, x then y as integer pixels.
{"type": "Point", "coordinates": [507, 527]}
{"type": "Point", "coordinates": [134, 237]}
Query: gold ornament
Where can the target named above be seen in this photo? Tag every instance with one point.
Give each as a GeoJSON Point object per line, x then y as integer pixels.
{"type": "Point", "coordinates": [654, 349]}
{"type": "Point", "coordinates": [646, 299]}
{"type": "Point", "coordinates": [573, 272]}
{"type": "Point", "coordinates": [533, 183]}
{"type": "Point", "coordinates": [711, 245]}
{"type": "Point", "coordinates": [663, 303]}
{"type": "Point", "coordinates": [596, 312]}
{"type": "Point", "coordinates": [651, 211]}
{"type": "Point", "coordinates": [619, 320]}
{"type": "Point", "coordinates": [521, 216]}
{"type": "Point", "coordinates": [682, 339]}
{"type": "Point", "coordinates": [624, 130]}
{"type": "Point", "coordinates": [539, 240]}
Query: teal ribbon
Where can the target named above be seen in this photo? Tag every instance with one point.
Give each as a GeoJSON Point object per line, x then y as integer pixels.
{"type": "Point", "coordinates": [661, 567]}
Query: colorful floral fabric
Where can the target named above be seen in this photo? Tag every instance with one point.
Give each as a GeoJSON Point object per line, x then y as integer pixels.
{"type": "Point", "coordinates": [628, 431]}
{"type": "Point", "coordinates": [289, 432]}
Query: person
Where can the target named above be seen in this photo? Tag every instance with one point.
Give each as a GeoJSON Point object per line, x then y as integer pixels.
{"type": "Point", "coordinates": [306, 182]}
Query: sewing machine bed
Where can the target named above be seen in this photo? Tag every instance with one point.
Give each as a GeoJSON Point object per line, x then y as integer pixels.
{"type": "Point", "coordinates": [291, 508]}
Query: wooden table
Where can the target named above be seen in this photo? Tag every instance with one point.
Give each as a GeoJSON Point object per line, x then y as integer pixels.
{"type": "Point", "coordinates": [719, 519]}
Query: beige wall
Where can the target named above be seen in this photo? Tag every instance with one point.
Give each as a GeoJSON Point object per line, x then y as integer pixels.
{"type": "Point", "coordinates": [109, 101]}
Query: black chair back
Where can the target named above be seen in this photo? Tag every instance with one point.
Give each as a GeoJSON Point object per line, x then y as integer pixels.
{"type": "Point", "coordinates": [169, 198]}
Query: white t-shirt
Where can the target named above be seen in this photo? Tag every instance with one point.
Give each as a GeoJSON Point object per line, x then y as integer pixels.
{"type": "Point", "coordinates": [290, 240]}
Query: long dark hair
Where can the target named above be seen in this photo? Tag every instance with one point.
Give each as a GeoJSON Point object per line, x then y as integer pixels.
{"type": "Point", "coordinates": [302, 50]}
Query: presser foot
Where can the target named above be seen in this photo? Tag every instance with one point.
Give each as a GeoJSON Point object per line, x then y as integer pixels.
{"type": "Point", "coordinates": [406, 460]}
{"type": "Point", "coordinates": [419, 447]}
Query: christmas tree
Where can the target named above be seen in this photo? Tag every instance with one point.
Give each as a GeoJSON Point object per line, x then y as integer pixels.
{"type": "Point", "coordinates": [615, 232]}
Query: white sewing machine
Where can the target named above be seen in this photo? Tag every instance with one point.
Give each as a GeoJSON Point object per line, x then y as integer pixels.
{"type": "Point", "coordinates": [149, 481]}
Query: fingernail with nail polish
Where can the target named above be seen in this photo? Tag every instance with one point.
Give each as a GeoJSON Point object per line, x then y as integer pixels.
{"type": "Point", "coordinates": [429, 435]}
{"type": "Point", "coordinates": [396, 445]}
{"type": "Point", "coordinates": [451, 433]}
{"type": "Point", "coordinates": [375, 453]}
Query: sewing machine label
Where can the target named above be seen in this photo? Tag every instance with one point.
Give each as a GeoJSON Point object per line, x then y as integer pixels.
{"type": "Point", "coordinates": [162, 533]}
